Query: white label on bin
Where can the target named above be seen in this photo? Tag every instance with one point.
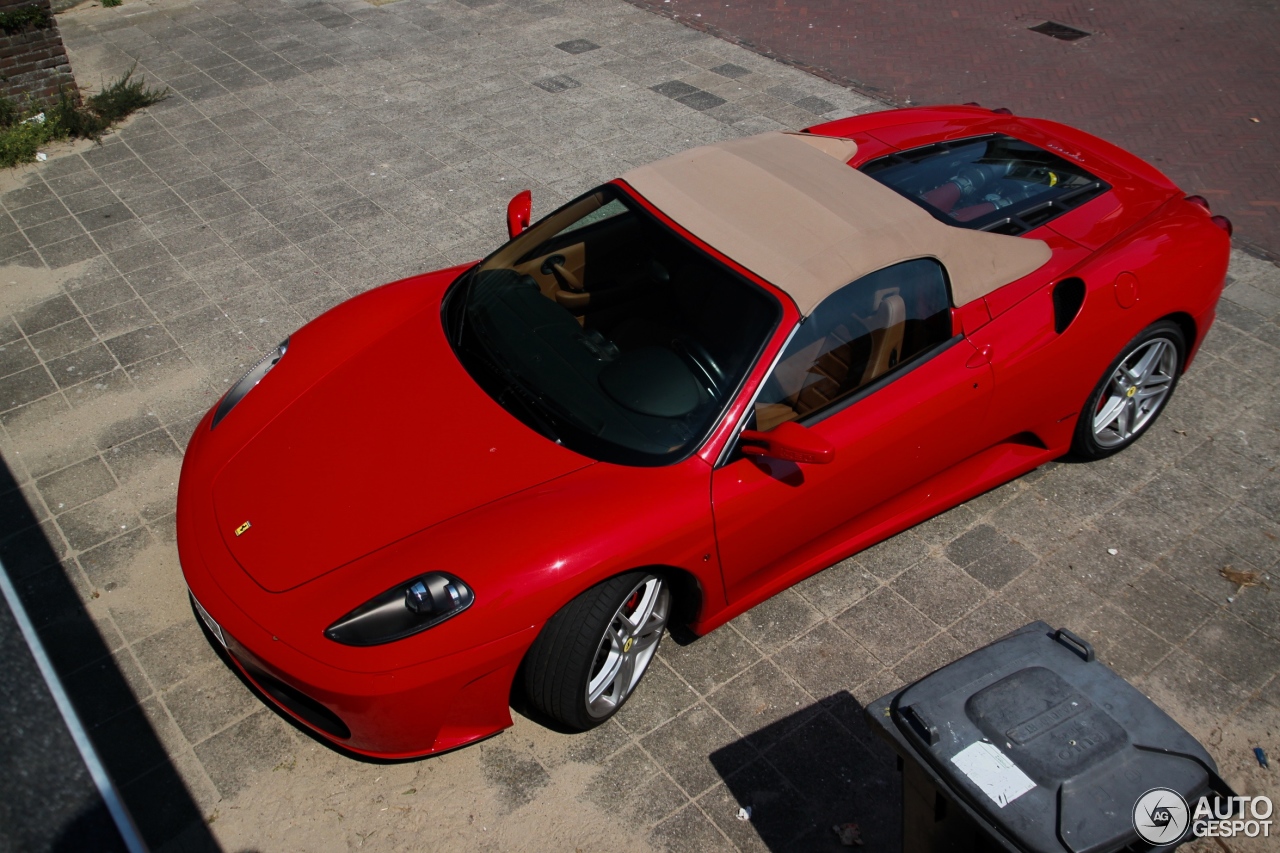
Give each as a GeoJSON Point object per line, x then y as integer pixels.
{"type": "Point", "coordinates": [993, 772]}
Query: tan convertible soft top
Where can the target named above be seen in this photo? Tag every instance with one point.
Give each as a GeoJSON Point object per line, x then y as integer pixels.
{"type": "Point", "coordinates": [787, 207]}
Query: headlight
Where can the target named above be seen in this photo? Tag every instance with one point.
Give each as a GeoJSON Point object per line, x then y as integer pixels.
{"type": "Point", "coordinates": [246, 383]}
{"type": "Point", "coordinates": [403, 610]}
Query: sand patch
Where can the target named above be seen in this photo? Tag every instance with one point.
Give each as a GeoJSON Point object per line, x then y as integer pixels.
{"type": "Point", "coordinates": [48, 430]}
{"type": "Point", "coordinates": [22, 287]}
{"type": "Point", "coordinates": [324, 801]}
{"type": "Point", "coordinates": [148, 593]}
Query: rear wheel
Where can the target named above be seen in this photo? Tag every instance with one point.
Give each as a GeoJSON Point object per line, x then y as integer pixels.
{"type": "Point", "coordinates": [1132, 393]}
{"type": "Point", "coordinates": [591, 655]}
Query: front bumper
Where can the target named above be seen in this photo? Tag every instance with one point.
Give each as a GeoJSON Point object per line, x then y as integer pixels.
{"type": "Point", "coordinates": [406, 712]}
{"type": "Point", "coordinates": [421, 710]}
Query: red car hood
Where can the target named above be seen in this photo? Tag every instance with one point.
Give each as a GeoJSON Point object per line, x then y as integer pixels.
{"type": "Point", "coordinates": [396, 438]}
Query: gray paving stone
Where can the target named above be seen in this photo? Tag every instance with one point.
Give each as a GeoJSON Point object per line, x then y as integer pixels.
{"type": "Point", "coordinates": [46, 315]}
{"type": "Point", "coordinates": [255, 745]}
{"type": "Point", "coordinates": [76, 484]}
{"type": "Point", "coordinates": [208, 701]}
{"type": "Point", "coordinates": [1236, 650]}
{"type": "Point", "coordinates": [937, 652]}
{"type": "Point", "coordinates": [16, 356]}
{"type": "Point", "coordinates": [689, 830]}
{"type": "Point", "coordinates": [669, 695]}
{"type": "Point", "coordinates": [61, 340]}
{"type": "Point", "coordinates": [999, 567]}
{"type": "Point", "coordinates": [141, 343]}
{"type": "Point", "coordinates": [891, 557]}
{"type": "Point", "coordinates": [838, 587]}
{"type": "Point", "coordinates": [763, 703]}
{"type": "Point", "coordinates": [985, 624]}
{"type": "Point", "coordinates": [886, 625]}
{"type": "Point", "coordinates": [697, 748]}
{"type": "Point", "coordinates": [710, 660]}
{"type": "Point", "coordinates": [939, 590]}
{"type": "Point", "coordinates": [129, 458]}
{"type": "Point", "coordinates": [775, 622]}
{"type": "Point", "coordinates": [83, 364]}
{"type": "Point", "coordinates": [109, 566]}
{"type": "Point", "coordinates": [777, 810]}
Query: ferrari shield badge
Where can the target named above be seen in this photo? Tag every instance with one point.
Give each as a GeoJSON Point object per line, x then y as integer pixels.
{"type": "Point", "coordinates": [242, 528]}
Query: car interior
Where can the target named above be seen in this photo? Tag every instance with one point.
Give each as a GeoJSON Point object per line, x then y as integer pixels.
{"type": "Point", "coordinates": [859, 334]}
{"type": "Point", "coordinates": [630, 333]}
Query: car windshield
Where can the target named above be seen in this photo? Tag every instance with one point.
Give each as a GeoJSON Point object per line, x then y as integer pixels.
{"type": "Point", "coordinates": [608, 332]}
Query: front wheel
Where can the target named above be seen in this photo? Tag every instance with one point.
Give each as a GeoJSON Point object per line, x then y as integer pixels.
{"type": "Point", "coordinates": [1132, 392]}
{"type": "Point", "coordinates": [590, 655]}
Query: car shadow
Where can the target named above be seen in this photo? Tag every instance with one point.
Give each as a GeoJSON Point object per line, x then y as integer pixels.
{"type": "Point", "coordinates": [819, 770]}
{"type": "Point", "coordinates": [134, 758]}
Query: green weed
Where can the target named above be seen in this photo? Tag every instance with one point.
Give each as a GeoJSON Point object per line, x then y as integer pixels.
{"type": "Point", "coordinates": [22, 132]}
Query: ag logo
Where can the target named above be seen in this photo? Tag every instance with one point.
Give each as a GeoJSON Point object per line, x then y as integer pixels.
{"type": "Point", "coordinates": [1160, 816]}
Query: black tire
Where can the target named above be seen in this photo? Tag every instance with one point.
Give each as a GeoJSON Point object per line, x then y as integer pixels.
{"type": "Point", "coordinates": [1166, 341]}
{"type": "Point", "coordinates": [574, 646]}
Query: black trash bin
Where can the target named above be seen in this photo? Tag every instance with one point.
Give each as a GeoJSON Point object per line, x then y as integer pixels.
{"type": "Point", "coordinates": [1032, 745]}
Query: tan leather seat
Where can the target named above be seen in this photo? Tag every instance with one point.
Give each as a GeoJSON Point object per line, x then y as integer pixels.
{"type": "Point", "coordinates": [887, 326]}
{"type": "Point", "coordinates": [830, 376]}
{"type": "Point", "coordinates": [846, 358]}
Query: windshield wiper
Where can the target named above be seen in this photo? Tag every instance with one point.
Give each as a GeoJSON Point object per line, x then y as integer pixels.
{"type": "Point", "coordinates": [514, 389]}
{"type": "Point", "coordinates": [517, 392]}
{"type": "Point", "coordinates": [462, 295]}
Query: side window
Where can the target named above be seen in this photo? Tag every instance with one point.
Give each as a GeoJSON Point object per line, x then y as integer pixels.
{"type": "Point", "coordinates": [858, 334]}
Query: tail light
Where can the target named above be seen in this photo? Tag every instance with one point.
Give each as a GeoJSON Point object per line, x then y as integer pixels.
{"type": "Point", "coordinates": [1200, 200]}
{"type": "Point", "coordinates": [1223, 223]}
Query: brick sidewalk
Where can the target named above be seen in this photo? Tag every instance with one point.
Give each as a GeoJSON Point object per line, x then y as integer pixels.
{"type": "Point", "coordinates": [313, 150]}
{"type": "Point", "coordinates": [1179, 83]}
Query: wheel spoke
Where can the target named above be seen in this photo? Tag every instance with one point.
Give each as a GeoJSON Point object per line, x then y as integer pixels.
{"type": "Point", "coordinates": [1108, 414]}
{"type": "Point", "coordinates": [626, 677]}
{"type": "Point", "coordinates": [618, 634]}
{"type": "Point", "coordinates": [644, 641]}
{"type": "Point", "coordinates": [644, 609]}
{"type": "Point", "coordinates": [1149, 392]}
{"type": "Point", "coordinates": [1124, 423]}
{"type": "Point", "coordinates": [606, 678]}
{"type": "Point", "coordinates": [1149, 358]}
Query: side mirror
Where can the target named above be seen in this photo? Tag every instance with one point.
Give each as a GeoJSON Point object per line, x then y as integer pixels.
{"type": "Point", "coordinates": [519, 209]}
{"type": "Point", "coordinates": [790, 442]}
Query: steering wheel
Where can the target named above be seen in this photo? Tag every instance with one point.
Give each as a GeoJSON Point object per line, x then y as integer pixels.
{"type": "Point", "coordinates": [702, 362]}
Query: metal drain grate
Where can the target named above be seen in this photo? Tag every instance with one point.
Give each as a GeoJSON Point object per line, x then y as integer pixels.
{"type": "Point", "coordinates": [1061, 32]}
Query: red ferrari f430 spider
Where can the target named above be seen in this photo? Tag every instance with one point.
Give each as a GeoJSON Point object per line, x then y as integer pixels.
{"type": "Point", "coordinates": [672, 398]}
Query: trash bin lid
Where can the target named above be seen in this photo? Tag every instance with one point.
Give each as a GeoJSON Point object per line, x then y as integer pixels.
{"type": "Point", "coordinates": [1046, 743]}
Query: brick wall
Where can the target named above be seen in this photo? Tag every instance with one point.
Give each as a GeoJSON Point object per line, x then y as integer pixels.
{"type": "Point", "coordinates": [33, 62]}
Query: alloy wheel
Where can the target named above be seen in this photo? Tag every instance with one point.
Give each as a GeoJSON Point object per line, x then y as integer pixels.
{"type": "Point", "coordinates": [628, 644]}
{"type": "Point", "coordinates": [1135, 392]}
